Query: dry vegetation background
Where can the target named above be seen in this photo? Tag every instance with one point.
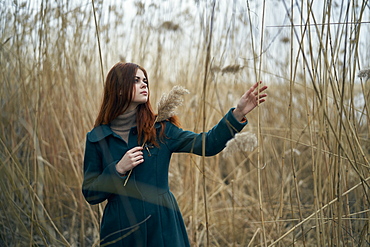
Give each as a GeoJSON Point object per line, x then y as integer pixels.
{"type": "Point", "coordinates": [307, 182]}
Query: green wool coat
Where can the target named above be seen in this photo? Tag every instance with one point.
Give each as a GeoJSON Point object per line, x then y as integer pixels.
{"type": "Point", "coordinates": [144, 212]}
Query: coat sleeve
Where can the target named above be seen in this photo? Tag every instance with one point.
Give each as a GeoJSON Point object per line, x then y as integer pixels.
{"type": "Point", "coordinates": [215, 139]}
{"type": "Point", "coordinates": [99, 182]}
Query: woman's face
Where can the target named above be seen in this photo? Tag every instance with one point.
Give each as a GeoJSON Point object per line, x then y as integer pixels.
{"type": "Point", "coordinates": [141, 92]}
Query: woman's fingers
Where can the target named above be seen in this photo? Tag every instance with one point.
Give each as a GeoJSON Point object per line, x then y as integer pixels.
{"type": "Point", "coordinates": [132, 158]}
{"type": "Point", "coordinates": [135, 149]}
{"type": "Point", "coordinates": [136, 156]}
{"type": "Point", "coordinates": [262, 89]}
{"type": "Point", "coordinates": [253, 90]}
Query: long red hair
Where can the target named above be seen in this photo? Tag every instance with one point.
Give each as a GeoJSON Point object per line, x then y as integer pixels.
{"type": "Point", "coordinates": [117, 96]}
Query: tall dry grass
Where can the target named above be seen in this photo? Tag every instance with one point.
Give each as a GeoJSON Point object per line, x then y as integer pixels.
{"type": "Point", "coordinates": [307, 182]}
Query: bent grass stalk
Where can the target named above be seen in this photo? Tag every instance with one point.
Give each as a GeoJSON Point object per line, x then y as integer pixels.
{"type": "Point", "coordinates": [98, 39]}
{"type": "Point", "coordinates": [318, 211]}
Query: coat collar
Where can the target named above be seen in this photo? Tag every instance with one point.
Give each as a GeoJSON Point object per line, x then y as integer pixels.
{"type": "Point", "coordinates": [102, 131]}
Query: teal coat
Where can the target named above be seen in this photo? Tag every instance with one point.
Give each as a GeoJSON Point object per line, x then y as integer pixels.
{"type": "Point", "coordinates": [144, 212]}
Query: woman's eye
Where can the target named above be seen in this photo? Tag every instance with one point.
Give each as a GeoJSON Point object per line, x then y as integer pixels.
{"type": "Point", "coordinates": [137, 80]}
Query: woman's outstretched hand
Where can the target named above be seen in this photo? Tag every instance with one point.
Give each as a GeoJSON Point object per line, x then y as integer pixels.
{"type": "Point", "coordinates": [250, 99]}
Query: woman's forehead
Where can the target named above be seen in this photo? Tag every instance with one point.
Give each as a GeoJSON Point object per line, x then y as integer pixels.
{"type": "Point", "coordinates": [140, 73]}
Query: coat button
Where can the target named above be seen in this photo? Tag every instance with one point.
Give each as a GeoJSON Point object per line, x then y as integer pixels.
{"type": "Point", "coordinates": [134, 132]}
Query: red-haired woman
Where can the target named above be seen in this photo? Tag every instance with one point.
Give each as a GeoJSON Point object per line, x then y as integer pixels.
{"type": "Point", "coordinates": [144, 212]}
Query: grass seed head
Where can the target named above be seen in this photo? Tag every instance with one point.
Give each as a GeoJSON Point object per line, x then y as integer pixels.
{"type": "Point", "coordinates": [169, 102]}
{"type": "Point", "coordinates": [234, 68]}
{"type": "Point", "coordinates": [245, 142]}
{"type": "Point", "coordinates": [365, 74]}
{"type": "Point", "coordinates": [170, 26]}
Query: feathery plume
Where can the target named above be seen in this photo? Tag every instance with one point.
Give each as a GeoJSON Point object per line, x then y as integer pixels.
{"type": "Point", "coordinates": [244, 142]}
{"type": "Point", "coordinates": [365, 73]}
{"type": "Point", "coordinates": [169, 102]}
{"type": "Point", "coordinates": [234, 68]}
{"type": "Point", "coordinates": [169, 25]}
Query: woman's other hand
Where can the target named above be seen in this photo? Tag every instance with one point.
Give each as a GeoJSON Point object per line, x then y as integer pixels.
{"type": "Point", "coordinates": [132, 158]}
{"type": "Point", "coordinates": [250, 99]}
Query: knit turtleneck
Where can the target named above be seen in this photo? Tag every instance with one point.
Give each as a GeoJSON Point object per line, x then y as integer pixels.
{"type": "Point", "coordinates": [123, 123]}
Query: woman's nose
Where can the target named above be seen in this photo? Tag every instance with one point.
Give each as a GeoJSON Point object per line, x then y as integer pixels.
{"type": "Point", "coordinates": [143, 84]}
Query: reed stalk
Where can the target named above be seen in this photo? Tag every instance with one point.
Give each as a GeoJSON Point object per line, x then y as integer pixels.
{"type": "Point", "coordinates": [204, 116]}
{"type": "Point", "coordinates": [259, 170]}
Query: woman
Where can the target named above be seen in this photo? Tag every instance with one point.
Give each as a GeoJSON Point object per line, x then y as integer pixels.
{"type": "Point", "coordinates": [144, 212]}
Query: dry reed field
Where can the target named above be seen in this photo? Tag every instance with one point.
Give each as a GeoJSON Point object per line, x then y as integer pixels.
{"type": "Point", "coordinates": [306, 180]}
